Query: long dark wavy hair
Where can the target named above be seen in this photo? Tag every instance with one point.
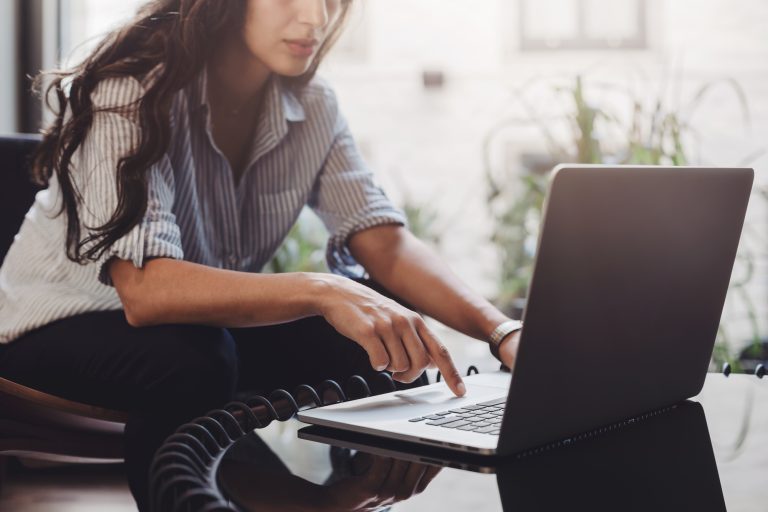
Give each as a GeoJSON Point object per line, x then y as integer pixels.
{"type": "Point", "coordinates": [172, 38]}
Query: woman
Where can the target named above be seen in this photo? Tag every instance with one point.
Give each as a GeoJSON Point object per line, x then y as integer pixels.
{"type": "Point", "coordinates": [182, 152]}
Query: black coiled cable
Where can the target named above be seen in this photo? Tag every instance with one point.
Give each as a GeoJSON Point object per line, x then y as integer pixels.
{"type": "Point", "coordinates": [183, 473]}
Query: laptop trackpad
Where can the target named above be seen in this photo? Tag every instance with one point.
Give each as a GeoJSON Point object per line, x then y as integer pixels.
{"type": "Point", "coordinates": [408, 404]}
{"type": "Point", "coordinates": [478, 386]}
{"type": "Point", "coordinates": [429, 396]}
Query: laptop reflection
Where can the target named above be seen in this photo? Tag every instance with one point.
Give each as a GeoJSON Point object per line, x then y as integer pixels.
{"type": "Point", "coordinates": [662, 463]}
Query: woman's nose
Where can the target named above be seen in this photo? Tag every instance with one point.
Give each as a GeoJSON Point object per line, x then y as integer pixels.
{"type": "Point", "coordinates": [313, 12]}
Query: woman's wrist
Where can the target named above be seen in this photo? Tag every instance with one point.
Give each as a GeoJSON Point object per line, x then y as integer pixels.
{"type": "Point", "coordinates": [500, 334]}
{"type": "Point", "coordinates": [490, 319]}
{"type": "Point", "coordinates": [316, 288]}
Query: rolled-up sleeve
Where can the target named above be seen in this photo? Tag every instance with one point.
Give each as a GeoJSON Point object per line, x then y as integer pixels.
{"type": "Point", "coordinates": [113, 136]}
{"type": "Point", "coordinates": [348, 200]}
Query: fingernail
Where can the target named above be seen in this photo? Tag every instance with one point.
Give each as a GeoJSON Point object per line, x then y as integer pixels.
{"type": "Point", "coordinates": [381, 368]}
{"type": "Point", "coordinates": [462, 388]}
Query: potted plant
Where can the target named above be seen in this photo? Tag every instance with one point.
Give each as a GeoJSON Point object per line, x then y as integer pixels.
{"type": "Point", "coordinates": [624, 128]}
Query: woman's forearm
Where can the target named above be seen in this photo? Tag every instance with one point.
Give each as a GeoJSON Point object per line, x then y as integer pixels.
{"type": "Point", "coordinates": [411, 270]}
{"type": "Point", "coordinates": [168, 291]}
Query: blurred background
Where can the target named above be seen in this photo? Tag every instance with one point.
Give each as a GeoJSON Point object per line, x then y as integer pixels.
{"type": "Point", "coordinates": [462, 108]}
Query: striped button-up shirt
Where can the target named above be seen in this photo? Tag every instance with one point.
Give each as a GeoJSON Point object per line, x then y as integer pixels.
{"type": "Point", "coordinates": [302, 154]}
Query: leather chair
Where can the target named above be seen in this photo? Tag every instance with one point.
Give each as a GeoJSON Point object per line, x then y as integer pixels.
{"type": "Point", "coordinates": [32, 423]}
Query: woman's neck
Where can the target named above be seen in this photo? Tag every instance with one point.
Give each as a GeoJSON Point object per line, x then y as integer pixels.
{"type": "Point", "coordinates": [235, 77]}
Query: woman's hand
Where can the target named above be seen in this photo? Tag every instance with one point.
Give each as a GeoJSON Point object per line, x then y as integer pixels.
{"type": "Point", "coordinates": [395, 338]}
{"type": "Point", "coordinates": [382, 482]}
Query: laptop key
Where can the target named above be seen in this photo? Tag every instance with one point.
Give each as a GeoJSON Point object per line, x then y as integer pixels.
{"type": "Point", "coordinates": [433, 417]}
{"type": "Point", "coordinates": [455, 424]}
{"type": "Point", "coordinates": [442, 421]}
{"type": "Point", "coordinates": [469, 427]}
{"type": "Point", "coordinates": [416, 419]}
{"type": "Point", "coordinates": [487, 430]}
{"type": "Point", "coordinates": [498, 401]}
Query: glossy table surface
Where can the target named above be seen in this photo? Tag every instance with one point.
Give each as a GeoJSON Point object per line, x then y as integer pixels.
{"type": "Point", "coordinates": [709, 453]}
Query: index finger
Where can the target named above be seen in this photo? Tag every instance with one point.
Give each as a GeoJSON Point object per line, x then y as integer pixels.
{"type": "Point", "coordinates": [442, 358]}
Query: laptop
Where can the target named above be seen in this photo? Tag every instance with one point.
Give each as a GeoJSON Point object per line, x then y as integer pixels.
{"type": "Point", "coordinates": [662, 462]}
{"type": "Point", "coordinates": [631, 273]}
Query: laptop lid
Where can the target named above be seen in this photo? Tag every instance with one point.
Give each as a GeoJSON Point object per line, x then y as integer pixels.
{"type": "Point", "coordinates": [630, 278]}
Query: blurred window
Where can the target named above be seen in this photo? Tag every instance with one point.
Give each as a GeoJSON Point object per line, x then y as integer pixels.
{"type": "Point", "coordinates": [85, 22]}
{"type": "Point", "coordinates": [582, 24]}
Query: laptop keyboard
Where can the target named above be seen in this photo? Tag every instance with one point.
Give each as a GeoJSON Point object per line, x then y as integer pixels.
{"type": "Point", "coordinates": [483, 418]}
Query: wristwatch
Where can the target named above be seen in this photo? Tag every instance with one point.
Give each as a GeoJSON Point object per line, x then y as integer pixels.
{"type": "Point", "coordinates": [500, 332]}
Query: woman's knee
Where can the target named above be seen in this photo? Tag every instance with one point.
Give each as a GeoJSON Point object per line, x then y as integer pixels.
{"type": "Point", "coordinates": [203, 365]}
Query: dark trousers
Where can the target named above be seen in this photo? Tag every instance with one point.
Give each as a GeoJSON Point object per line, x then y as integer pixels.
{"type": "Point", "coordinates": [166, 375]}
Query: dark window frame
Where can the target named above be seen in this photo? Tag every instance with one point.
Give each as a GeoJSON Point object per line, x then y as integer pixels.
{"type": "Point", "coordinates": [37, 49]}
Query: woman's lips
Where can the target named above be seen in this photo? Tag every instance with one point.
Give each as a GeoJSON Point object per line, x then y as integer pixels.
{"type": "Point", "coordinates": [301, 47]}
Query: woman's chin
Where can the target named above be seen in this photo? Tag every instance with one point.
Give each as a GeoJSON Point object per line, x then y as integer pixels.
{"type": "Point", "coordinates": [292, 67]}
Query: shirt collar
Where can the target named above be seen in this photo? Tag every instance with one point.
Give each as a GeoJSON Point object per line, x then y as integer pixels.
{"type": "Point", "coordinates": [280, 103]}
